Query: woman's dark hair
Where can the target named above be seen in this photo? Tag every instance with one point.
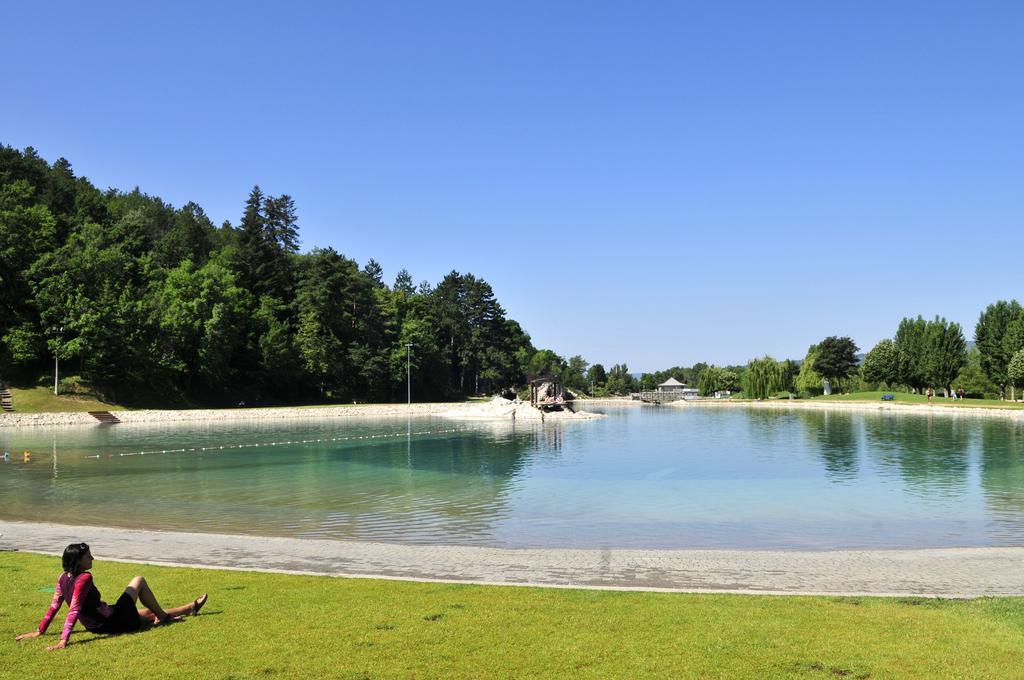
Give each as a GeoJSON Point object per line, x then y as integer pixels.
{"type": "Point", "coordinates": [73, 557]}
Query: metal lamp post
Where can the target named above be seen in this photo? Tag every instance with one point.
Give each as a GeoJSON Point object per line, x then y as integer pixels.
{"type": "Point", "coordinates": [408, 371]}
{"type": "Point", "coordinates": [56, 360]}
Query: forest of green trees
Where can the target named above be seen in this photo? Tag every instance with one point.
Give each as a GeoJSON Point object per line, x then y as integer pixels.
{"type": "Point", "coordinates": [148, 303]}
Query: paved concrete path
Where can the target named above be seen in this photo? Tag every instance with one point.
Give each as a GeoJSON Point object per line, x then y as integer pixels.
{"type": "Point", "coordinates": [954, 572]}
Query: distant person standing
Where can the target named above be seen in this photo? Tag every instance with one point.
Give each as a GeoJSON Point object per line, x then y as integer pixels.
{"type": "Point", "coordinates": [960, 393]}
{"type": "Point", "coordinates": [929, 393]}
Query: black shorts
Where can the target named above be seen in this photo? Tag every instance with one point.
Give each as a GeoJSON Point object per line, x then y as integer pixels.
{"type": "Point", "coordinates": [124, 618]}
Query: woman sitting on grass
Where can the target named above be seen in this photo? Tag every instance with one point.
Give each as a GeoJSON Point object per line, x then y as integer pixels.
{"type": "Point", "coordinates": [75, 587]}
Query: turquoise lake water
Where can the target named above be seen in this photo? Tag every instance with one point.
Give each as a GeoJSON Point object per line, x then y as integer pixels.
{"type": "Point", "coordinates": [642, 477]}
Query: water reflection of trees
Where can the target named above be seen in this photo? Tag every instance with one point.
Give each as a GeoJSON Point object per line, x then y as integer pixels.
{"type": "Point", "coordinates": [931, 454]}
{"type": "Point", "coordinates": [769, 426]}
{"type": "Point", "coordinates": [1002, 474]}
{"type": "Point", "coordinates": [433, 488]}
{"type": "Point", "coordinates": [452, 486]}
{"type": "Point", "coordinates": [834, 436]}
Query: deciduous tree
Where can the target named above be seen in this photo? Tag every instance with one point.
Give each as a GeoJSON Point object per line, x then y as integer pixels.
{"type": "Point", "coordinates": [988, 337]}
{"type": "Point", "coordinates": [1015, 370]}
{"type": "Point", "coordinates": [881, 365]}
{"type": "Point", "coordinates": [910, 341]}
{"type": "Point", "coordinates": [1013, 342]}
{"type": "Point", "coordinates": [809, 380]}
{"type": "Point", "coordinates": [945, 352]}
{"type": "Point", "coordinates": [763, 378]}
{"type": "Point", "coordinates": [596, 376]}
{"type": "Point", "coordinates": [837, 358]}
{"type": "Point", "coordinates": [718, 379]}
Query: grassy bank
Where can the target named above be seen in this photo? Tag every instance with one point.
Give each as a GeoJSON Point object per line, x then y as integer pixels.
{"type": "Point", "coordinates": [38, 399]}
{"type": "Point", "coordinates": [271, 625]}
{"type": "Point", "coordinates": [43, 400]}
{"type": "Point", "coordinates": [905, 398]}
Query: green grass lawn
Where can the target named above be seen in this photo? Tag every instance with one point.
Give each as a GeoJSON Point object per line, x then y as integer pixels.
{"type": "Point", "coordinates": [272, 625]}
{"type": "Point", "coordinates": [906, 398]}
{"type": "Point", "coordinates": [43, 400]}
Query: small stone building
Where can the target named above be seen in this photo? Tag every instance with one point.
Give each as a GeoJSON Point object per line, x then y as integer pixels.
{"type": "Point", "coordinates": [671, 385]}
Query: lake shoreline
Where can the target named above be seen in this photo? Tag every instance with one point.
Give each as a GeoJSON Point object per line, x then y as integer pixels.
{"type": "Point", "coordinates": [860, 406]}
{"type": "Point", "coordinates": [924, 572]}
{"type": "Point", "coordinates": [471, 411]}
{"type": "Point", "coordinates": [452, 410]}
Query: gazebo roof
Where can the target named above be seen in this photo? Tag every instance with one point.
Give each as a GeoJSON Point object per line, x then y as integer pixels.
{"type": "Point", "coordinates": [671, 382]}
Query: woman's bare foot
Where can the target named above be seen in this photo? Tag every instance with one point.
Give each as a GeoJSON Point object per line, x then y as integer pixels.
{"type": "Point", "coordinates": [198, 603]}
{"type": "Point", "coordinates": [167, 618]}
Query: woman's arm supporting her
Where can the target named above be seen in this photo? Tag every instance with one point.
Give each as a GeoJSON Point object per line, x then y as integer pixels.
{"type": "Point", "coordinates": [81, 586]}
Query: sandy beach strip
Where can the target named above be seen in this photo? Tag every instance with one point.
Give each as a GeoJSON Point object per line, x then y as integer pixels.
{"type": "Point", "coordinates": [945, 572]}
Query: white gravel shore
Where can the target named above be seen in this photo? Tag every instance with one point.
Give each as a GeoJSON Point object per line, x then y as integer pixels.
{"type": "Point", "coordinates": [948, 572]}
{"type": "Point", "coordinates": [490, 410]}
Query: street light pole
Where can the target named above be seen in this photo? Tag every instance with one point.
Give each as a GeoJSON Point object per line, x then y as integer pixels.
{"type": "Point", "coordinates": [408, 371]}
{"type": "Point", "coordinates": [56, 360]}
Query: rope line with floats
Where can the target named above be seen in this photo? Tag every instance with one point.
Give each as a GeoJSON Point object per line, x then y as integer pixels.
{"type": "Point", "coordinates": [226, 447]}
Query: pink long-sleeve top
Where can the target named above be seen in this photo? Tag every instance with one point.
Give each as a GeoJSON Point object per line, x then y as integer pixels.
{"type": "Point", "coordinates": [84, 604]}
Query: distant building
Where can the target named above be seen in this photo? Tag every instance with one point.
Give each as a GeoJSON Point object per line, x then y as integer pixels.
{"type": "Point", "coordinates": [546, 392]}
{"type": "Point", "coordinates": [671, 385]}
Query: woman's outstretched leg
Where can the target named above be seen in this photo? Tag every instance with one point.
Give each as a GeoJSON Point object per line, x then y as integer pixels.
{"type": "Point", "coordinates": [190, 609]}
{"type": "Point", "coordinates": [140, 591]}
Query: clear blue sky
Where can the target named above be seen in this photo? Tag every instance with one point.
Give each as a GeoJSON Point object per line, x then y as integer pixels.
{"type": "Point", "coordinates": [655, 184]}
